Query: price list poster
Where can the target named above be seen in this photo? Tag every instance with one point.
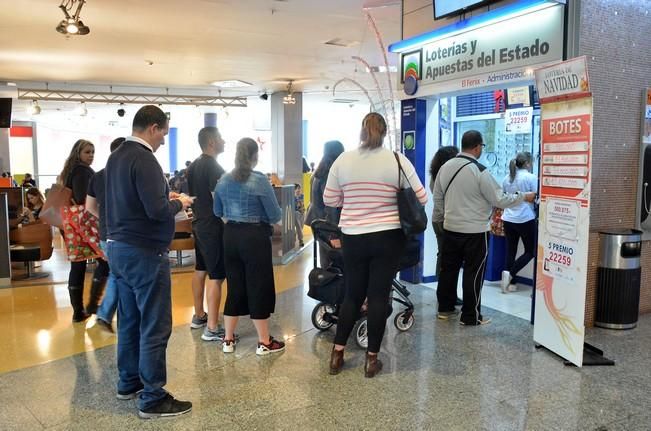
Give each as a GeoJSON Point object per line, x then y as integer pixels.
{"type": "Point", "coordinates": [564, 216]}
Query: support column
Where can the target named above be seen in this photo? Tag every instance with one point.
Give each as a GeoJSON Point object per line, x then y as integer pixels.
{"type": "Point", "coordinates": [210, 119]}
{"type": "Point", "coordinates": [5, 160]}
{"type": "Point", "coordinates": [413, 126]}
{"type": "Point", "coordinates": [172, 138]}
{"type": "Point", "coordinates": [287, 138]}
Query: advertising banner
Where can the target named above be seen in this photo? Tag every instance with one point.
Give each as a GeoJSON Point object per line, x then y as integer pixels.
{"type": "Point", "coordinates": [564, 224]}
{"type": "Point", "coordinates": [646, 133]}
{"type": "Point", "coordinates": [569, 79]}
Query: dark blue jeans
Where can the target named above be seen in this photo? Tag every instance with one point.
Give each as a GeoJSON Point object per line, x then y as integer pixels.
{"type": "Point", "coordinates": [143, 282]}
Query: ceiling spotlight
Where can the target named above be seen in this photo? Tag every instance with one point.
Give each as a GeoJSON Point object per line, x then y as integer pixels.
{"type": "Point", "coordinates": [34, 109]}
{"type": "Point", "coordinates": [264, 96]}
{"type": "Point", "coordinates": [289, 99]}
{"type": "Point", "coordinates": [72, 25]}
{"type": "Point", "coordinates": [121, 110]}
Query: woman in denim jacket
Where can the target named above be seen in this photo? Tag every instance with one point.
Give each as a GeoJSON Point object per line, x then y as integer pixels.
{"type": "Point", "coordinates": [246, 200]}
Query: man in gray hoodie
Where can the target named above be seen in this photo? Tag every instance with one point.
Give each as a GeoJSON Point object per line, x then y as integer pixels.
{"type": "Point", "coordinates": [465, 193]}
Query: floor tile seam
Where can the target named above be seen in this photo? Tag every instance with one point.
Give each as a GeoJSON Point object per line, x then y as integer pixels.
{"type": "Point", "coordinates": [38, 421]}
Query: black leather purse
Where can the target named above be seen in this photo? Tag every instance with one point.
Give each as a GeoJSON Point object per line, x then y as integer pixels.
{"type": "Point", "coordinates": [413, 219]}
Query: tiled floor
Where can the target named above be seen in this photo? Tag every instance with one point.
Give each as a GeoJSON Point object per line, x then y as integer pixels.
{"type": "Point", "coordinates": [438, 375]}
{"type": "Point", "coordinates": [516, 304]}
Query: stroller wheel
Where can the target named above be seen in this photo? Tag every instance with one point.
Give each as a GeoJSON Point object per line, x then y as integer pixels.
{"type": "Point", "coordinates": [321, 316]}
{"type": "Point", "coordinates": [361, 333]}
{"type": "Point", "coordinates": [404, 320]}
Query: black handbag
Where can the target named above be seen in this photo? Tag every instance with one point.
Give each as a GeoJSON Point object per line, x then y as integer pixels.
{"type": "Point", "coordinates": [413, 219]}
{"type": "Point", "coordinates": [326, 285]}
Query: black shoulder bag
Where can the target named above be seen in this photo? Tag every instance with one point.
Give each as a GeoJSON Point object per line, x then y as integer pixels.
{"type": "Point", "coordinates": [413, 219]}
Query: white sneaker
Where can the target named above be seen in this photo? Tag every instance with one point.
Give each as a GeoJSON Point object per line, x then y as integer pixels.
{"type": "Point", "coordinates": [506, 280]}
{"type": "Point", "coordinates": [228, 346]}
{"type": "Point", "coordinates": [513, 287]}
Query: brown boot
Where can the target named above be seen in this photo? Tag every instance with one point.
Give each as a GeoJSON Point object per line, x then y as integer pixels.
{"type": "Point", "coordinates": [336, 361]}
{"type": "Point", "coordinates": [372, 366]}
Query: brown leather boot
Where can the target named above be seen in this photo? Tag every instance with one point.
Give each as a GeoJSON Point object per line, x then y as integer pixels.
{"type": "Point", "coordinates": [336, 361]}
{"type": "Point", "coordinates": [372, 366]}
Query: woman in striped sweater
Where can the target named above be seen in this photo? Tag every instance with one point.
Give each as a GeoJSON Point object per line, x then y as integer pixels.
{"type": "Point", "coordinates": [364, 182]}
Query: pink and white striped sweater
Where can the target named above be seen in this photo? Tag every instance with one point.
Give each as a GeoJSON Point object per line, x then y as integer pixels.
{"type": "Point", "coordinates": [364, 183]}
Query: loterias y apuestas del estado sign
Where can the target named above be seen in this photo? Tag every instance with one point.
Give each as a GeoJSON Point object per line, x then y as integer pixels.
{"type": "Point", "coordinates": [530, 39]}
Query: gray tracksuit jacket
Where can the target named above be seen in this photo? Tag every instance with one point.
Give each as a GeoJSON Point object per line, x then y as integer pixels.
{"type": "Point", "coordinates": [467, 205]}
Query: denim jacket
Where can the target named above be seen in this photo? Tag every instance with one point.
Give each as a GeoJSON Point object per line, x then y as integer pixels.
{"type": "Point", "coordinates": [253, 201]}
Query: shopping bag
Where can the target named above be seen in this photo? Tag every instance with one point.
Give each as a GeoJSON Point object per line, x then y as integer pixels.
{"type": "Point", "coordinates": [80, 234]}
{"type": "Point", "coordinates": [58, 197]}
{"type": "Point", "coordinates": [497, 225]}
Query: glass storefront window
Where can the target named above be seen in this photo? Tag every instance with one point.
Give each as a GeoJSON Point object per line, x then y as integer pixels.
{"type": "Point", "coordinates": [501, 147]}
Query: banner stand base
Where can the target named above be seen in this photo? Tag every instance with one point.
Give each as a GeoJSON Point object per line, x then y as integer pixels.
{"type": "Point", "coordinates": [592, 356]}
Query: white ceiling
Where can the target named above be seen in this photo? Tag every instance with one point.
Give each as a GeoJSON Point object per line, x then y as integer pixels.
{"type": "Point", "coordinates": [194, 42]}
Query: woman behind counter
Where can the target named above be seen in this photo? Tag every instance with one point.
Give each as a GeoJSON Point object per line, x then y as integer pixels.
{"type": "Point", "coordinates": [246, 200]}
{"type": "Point", "coordinates": [35, 201]}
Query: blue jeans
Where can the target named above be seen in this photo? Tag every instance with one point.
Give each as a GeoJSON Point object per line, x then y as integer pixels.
{"type": "Point", "coordinates": [109, 303]}
{"type": "Point", "coordinates": [142, 277]}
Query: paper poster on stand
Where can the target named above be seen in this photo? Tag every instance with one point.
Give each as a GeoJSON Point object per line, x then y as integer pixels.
{"type": "Point", "coordinates": [564, 216]}
{"type": "Point", "coordinates": [518, 120]}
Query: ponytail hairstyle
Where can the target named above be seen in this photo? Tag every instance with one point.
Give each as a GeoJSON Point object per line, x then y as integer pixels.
{"type": "Point", "coordinates": [520, 162]}
{"type": "Point", "coordinates": [374, 129]}
{"type": "Point", "coordinates": [72, 160]}
{"type": "Point", "coordinates": [246, 157]}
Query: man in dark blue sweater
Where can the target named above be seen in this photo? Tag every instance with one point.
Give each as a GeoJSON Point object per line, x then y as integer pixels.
{"type": "Point", "coordinates": [140, 225]}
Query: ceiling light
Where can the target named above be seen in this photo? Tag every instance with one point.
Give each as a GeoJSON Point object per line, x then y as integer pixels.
{"type": "Point", "coordinates": [34, 109]}
{"type": "Point", "coordinates": [231, 83]}
{"type": "Point", "coordinates": [72, 24]}
{"type": "Point", "coordinates": [381, 69]}
{"type": "Point", "coordinates": [289, 99]}
{"type": "Point", "coordinates": [81, 110]}
{"type": "Point", "coordinates": [11, 84]}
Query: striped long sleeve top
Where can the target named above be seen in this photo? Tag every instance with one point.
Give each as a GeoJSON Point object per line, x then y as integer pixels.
{"type": "Point", "coordinates": [364, 183]}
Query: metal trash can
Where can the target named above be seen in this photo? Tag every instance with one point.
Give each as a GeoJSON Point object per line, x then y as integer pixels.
{"type": "Point", "coordinates": [618, 279]}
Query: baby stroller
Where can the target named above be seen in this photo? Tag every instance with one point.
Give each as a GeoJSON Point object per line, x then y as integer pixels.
{"type": "Point", "coordinates": [326, 285]}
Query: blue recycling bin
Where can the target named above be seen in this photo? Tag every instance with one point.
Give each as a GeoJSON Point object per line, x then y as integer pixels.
{"type": "Point", "coordinates": [496, 257]}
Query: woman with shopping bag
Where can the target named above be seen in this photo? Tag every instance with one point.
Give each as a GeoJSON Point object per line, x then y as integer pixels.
{"type": "Point", "coordinates": [79, 230]}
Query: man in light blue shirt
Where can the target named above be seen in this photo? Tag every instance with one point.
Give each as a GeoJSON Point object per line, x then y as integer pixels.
{"type": "Point", "coordinates": [519, 220]}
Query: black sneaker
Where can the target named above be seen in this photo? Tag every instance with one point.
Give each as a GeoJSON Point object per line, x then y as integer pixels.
{"type": "Point", "coordinates": [104, 325]}
{"type": "Point", "coordinates": [129, 395]}
{"type": "Point", "coordinates": [167, 407]}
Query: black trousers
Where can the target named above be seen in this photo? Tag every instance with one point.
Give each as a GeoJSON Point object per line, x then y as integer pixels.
{"type": "Point", "coordinates": [370, 261]}
{"type": "Point", "coordinates": [249, 270]}
{"type": "Point", "coordinates": [78, 272]}
{"type": "Point", "coordinates": [514, 231]}
{"type": "Point", "coordinates": [469, 250]}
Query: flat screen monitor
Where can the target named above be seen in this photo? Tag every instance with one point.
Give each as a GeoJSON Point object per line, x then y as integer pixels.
{"type": "Point", "coordinates": [5, 112]}
{"type": "Point", "coordinates": [443, 8]}
{"type": "Point", "coordinates": [15, 201]}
